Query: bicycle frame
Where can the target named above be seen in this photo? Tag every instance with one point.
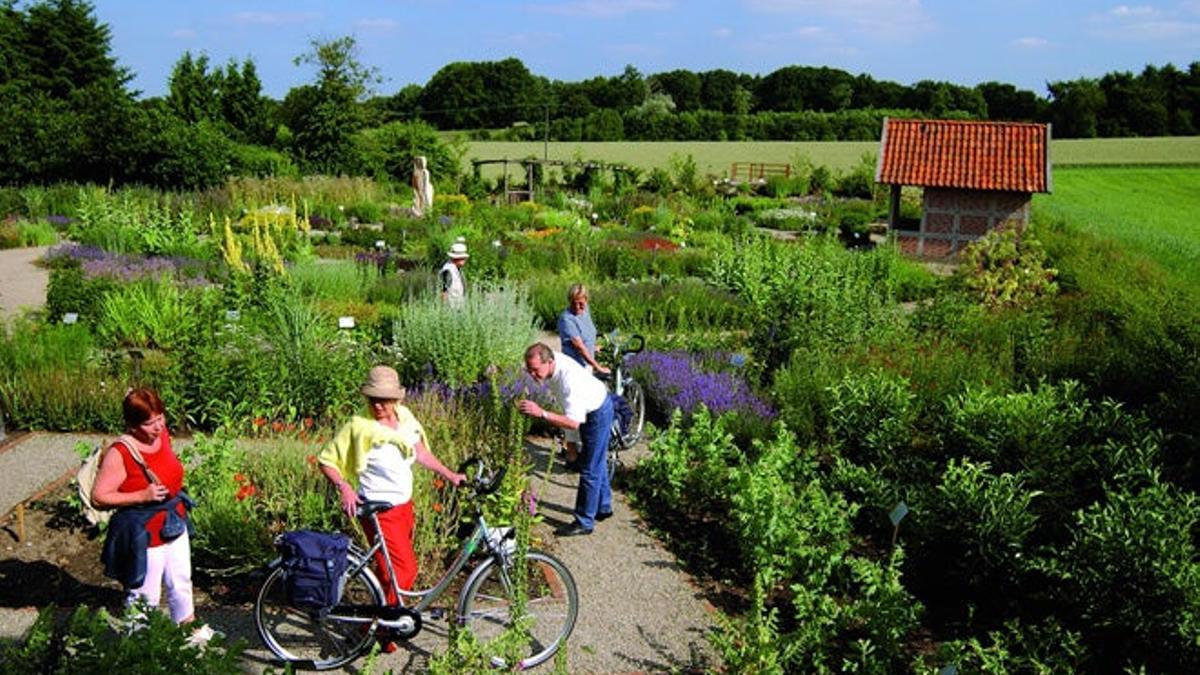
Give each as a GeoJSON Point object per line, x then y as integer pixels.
{"type": "Point", "coordinates": [480, 535]}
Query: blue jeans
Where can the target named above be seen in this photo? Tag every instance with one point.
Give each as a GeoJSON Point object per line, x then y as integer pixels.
{"type": "Point", "coordinates": [595, 494]}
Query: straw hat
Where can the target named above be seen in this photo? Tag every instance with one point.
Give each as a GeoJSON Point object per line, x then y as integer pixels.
{"type": "Point", "coordinates": [383, 382]}
{"type": "Point", "coordinates": [458, 250]}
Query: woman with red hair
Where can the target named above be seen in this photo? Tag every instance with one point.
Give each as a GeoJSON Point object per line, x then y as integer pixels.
{"type": "Point", "coordinates": [147, 547]}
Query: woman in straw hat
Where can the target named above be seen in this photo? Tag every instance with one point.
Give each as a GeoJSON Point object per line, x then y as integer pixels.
{"type": "Point", "coordinates": [378, 453]}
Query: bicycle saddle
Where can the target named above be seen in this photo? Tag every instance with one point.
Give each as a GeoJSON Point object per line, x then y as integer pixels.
{"type": "Point", "coordinates": [373, 506]}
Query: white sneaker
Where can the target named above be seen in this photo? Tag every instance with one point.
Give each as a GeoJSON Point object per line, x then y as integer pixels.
{"type": "Point", "coordinates": [201, 636]}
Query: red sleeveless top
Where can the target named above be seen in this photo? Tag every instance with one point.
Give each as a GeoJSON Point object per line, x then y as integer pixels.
{"type": "Point", "coordinates": [169, 470]}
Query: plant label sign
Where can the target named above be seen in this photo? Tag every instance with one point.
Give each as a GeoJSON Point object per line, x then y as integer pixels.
{"type": "Point", "coordinates": [70, 318]}
{"type": "Point", "coordinates": [345, 322]}
{"type": "Point", "coordinates": [379, 243]}
{"type": "Point", "coordinates": [232, 315]}
{"type": "Point", "coordinates": [949, 670]}
{"type": "Point", "coordinates": [898, 514]}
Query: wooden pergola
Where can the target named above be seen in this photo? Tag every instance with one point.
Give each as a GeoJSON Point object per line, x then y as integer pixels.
{"type": "Point", "coordinates": [531, 165]}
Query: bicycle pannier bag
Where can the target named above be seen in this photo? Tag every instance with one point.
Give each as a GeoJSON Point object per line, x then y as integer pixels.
{"type": "Point", "coordinates": [313, 564]}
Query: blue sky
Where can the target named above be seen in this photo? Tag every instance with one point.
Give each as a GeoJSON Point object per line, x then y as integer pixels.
{"type": "Point", "coordinates": [1023, 42]}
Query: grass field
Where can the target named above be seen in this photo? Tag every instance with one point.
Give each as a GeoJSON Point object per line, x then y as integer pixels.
{"type": "Point", "coordinates": [1153, 211]}
{"type": "Point", "coordinates": [715, 157]}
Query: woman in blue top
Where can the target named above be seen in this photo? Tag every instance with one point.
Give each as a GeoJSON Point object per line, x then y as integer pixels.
{"type": "Point", "coordinates": [578, 335]}
{"type": "Point", "coordinates": [577, 332]}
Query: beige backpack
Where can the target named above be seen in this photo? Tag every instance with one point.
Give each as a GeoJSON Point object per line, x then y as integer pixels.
{"type": "Point", "coordinates": [85, 478]}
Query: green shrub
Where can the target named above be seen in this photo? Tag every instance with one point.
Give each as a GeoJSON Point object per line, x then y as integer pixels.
{"type": "Point", "coordinates": [261, 162]}
{"type": "Point", "coordinates": [70, 291]}
{"type": "Point", "coordinates": [872, 417]}
{"type": "Point", "coordinates": [456, 346]}
{"type": "Point", "coordinates": [51, 377]}
{"type": "Point", "coordinates": [1130, 574]}
{"type": "Point", "coordinates": [1042, 648]}
{"type": "Point", "coordinates": [1007, 269]}
{"type": "Point", "coordinates": [23, 233]}
{"type": "Point", "coordinates": [153, 313]}
{"type": "Point", "coordinates": [88, 643]}
{"type": "Point", "coordinates": [973, 536]}
{"type": "Point", "coordinates": [688, 468]}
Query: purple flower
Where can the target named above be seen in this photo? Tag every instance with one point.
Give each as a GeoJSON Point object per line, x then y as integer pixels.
{"type": "Point", "coordinates": [97, 263]}
{"type": "Point", "coordinates": [678, 380]}
{"type": "Point", "coordinates": [60, 221]}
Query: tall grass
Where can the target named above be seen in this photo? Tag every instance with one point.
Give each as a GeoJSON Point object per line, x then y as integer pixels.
{"type": "Point", "coordinates": [334, 280]}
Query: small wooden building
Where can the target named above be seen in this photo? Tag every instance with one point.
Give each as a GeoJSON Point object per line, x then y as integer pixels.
{"type": "Point", "coordinates": [977, 176]}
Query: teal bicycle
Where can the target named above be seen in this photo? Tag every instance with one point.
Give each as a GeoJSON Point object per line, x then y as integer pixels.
{"type": "Point", "coordinates": [538, 598]}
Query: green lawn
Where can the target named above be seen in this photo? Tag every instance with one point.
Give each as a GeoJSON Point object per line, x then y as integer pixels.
{"type": "Point", "coordinates": [715, 157]}
{"type": "Point", "coordinates": [1154, 211]}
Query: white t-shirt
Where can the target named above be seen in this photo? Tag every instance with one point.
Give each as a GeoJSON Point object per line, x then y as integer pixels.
{"type": "Point", "coordinates": [577, 390]}
{"type": "Point", "coordinates": [388, 476]}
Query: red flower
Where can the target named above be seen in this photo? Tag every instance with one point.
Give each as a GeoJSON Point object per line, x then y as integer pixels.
{"type": "Point", "coordinates": [277, 426]}
{"type": "Point", "coordinates": [311, 459]}
{"type": "Point", "coordinates": [437, 508]}
{"type": "Point", "coordinates": [308, 422]}
{"type": "Point", "coordinates": [260, 421]}
{"type": "Point", "coordinates": [439, 483]}
{"type": "Point", "coordinates": [239, 477]}
{"type": "Point", "coordinates": [247, 490]}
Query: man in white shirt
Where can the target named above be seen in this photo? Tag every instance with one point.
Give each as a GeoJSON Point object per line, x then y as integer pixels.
{"type": "Point", "coordinates": [453, 281]}
{"type": "Point", "coordinates": [588, 407]}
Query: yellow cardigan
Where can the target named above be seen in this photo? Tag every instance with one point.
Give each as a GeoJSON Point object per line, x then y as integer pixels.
{"type": "Point", "coordinates": [347, 451]}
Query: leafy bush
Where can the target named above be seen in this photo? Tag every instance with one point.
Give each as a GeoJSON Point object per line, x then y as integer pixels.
{"type": "Point", "coordinates": [1130, 573]}
{"type": "Point", "coordinates": [153, 313]}
{"type": "Point", "coordinates": [872, 417]}
{"type": "Point", "coordinates": [457, 345]}
{"type": "Point", "coordinates": [974, 535]}
{"type": "Point", "coordinates": [88, 643]}
{"type": "Point", "coordinates": [1045, 647]}
{"type": "Point", "coordinates": [22, 233]}
{"type": "Point", "coordinates": [1007, 269]}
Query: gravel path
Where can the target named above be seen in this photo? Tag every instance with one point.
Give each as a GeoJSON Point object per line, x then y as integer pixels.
{"type": "Point", "coordinates": [638, 611]}
{"type": "Point", "coordinates": [22, 284]}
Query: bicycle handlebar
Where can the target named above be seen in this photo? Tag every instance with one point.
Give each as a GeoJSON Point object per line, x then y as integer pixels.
{"type": "Point", "coordinates": [485, 481]}
{"type": "Point", "coordinates": [620, 349]}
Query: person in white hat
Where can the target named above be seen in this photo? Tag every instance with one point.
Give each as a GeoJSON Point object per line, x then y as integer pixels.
{"type": "Point", "coordinates": [454, 283]}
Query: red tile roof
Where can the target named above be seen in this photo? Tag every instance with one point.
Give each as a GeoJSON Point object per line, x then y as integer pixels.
{"type": "Point", "coordinates": [975, 155]}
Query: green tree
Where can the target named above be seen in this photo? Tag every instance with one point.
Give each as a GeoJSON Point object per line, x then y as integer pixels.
{"type": "Point", "coordinates": [322, 131]}
{"type": "Point", "coordinates": [243, 106]}
{"type": "Point", "coordinates": [490, 94]}
{"type": "Point", "coordinates": [1075, 107]}
{"type": "Point", "coordinates": [194, 91]}
{"type": "Point", "coordinates": [683, 86]}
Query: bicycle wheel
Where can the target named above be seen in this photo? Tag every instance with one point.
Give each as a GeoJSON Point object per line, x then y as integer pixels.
{"type": "Point", "coordinates": [637, 403]}
{"type": "Point", "coordinates": [305, 638]}
{"type": "Point", "coordinates": [489, 609]}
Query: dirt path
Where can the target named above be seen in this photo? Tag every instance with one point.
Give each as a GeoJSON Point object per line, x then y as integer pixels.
{"type": "Point", "coordinates": [22, 284]}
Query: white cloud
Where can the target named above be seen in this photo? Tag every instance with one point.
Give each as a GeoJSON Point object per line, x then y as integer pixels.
{"type": "Point", "coordinates": [382, 25]}
{"type": "Point", "coordinates": [273, 18]}
{"type": "Point", "coordinates": [1127, 11]}
{"type": "Point", "coordinates": [1031, 43]}
{"type": "Point", "coordinates": [1143, 23]}
{"type": "Point", "coordinates": [183, 33]}
{"type": "Point", "coordinates": [888, 19]}
{"type": "Point", "coordinates": [603, 9]}
{"type": "Point", "coordinates": [722, 33]}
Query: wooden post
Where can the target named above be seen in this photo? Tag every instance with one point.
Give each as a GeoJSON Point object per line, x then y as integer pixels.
{"type": "Point", "coordinates": [21, 522]}
{"type": "Point", "coordinates": [894, 207]}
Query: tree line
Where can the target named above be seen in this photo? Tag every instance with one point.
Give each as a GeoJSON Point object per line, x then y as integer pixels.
{"type": "Point", "coordinates": [71, 115]}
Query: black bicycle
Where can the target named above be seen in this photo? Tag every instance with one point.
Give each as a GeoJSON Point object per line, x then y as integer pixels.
{"type": "Point", "coordinates": [535, 596]}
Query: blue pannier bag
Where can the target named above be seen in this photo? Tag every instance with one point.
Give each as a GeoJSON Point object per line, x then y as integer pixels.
{"type": "Point", "coordinates": [313, 564]}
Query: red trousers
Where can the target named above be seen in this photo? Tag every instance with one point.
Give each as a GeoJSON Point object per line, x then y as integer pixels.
{"type": "Point", "coordinates": [397, 524]}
